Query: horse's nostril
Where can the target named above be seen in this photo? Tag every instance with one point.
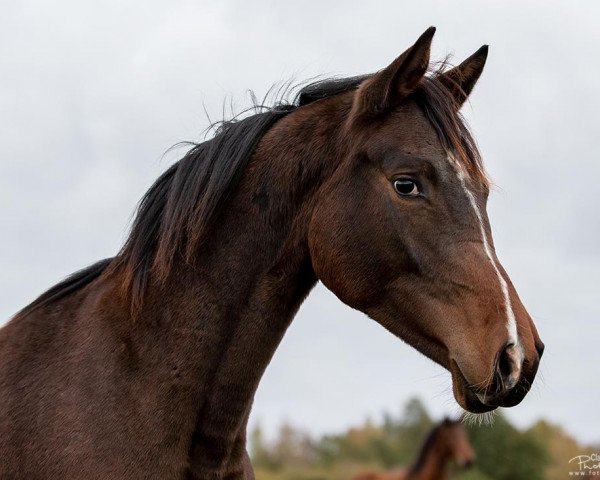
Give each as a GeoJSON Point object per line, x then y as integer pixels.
{"type": "Point", "coordinates": [508, 367]}
{"type": "Point", "coordinates": [505, 364]}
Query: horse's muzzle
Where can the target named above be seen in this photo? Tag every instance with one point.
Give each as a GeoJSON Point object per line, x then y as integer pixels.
{"type": "Point", "coordinates": [510, 383]}
{"type": "Point", "coordinates": [512, 380]}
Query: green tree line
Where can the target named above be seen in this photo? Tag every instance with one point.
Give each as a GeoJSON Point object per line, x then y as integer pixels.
{"type": "Point", "coordinates": [504, 452]}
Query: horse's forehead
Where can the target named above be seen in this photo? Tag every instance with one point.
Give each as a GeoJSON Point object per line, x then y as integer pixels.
{"type": "Point", "coordinates": [408, 130]}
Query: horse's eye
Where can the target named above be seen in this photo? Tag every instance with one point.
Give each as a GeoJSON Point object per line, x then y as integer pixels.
{"type": "Point", "coordinates": [407, 187]}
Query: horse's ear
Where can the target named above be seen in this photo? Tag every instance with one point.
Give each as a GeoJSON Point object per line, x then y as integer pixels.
{"type": "Point", "coordinates": [461, 79]}
{"type": "Point", "coordinates": [386, 88]}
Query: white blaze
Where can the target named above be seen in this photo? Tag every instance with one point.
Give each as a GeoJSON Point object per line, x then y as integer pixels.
{"type": "Point", "coordinates": [511, 323]}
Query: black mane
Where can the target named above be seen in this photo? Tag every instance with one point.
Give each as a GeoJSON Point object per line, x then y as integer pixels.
{"type": "Point", "coordinates": [178, 210]}
{"type": "Point", "coordinates": [427, 444]}
{"type": "Point", "coordinates": [72, 283]}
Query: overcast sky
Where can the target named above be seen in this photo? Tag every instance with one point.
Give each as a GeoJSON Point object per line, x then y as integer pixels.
{"type": "Point", "coordinates": [91, 95]}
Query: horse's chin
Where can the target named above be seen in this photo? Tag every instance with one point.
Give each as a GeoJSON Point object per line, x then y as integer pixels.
{"type": "Point", "coordinates": [465, 396]}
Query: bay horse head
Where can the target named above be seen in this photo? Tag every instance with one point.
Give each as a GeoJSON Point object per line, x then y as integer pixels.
{"type": "Point", "coordinates": [447, 441]}
{"type": "Point", "coordinates": [400, 231]}
{"type": "Point", "coordinates": [457, 442]}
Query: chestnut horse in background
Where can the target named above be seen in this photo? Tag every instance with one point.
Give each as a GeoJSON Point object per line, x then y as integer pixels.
{"type": "Point", "coordinates": [145, 365]}
{"type": "Point", "coordinates": [446, 442]}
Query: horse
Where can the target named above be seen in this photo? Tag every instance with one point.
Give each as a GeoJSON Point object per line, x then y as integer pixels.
{"type": "Point", "coordinates": [145, 365]}
{"type": "Point", "coordinates": [445, 442]}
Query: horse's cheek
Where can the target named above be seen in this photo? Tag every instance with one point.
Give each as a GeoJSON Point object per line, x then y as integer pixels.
{"type": "Point", "coordinates": [341, 258]}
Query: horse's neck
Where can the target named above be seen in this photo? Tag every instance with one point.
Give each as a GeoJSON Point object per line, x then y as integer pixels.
{"type": "Point", "coordinates": [224, 319]}
{"type": "Point", "coordinates": [246, 335]}
{"type": "Point", "coordinates": [432, 464]}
